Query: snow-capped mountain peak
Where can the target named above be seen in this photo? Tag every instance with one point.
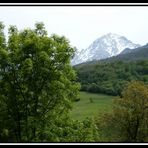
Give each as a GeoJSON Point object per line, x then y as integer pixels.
{"type": "Point", "coordinates": [104, 47]}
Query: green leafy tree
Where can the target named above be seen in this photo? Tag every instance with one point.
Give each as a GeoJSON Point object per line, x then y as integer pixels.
{"type": "Point", "coordinates": [131, 112]}
{"type": "Point", "coordinates": [37, 82]}
{"type": "Point", "coordinates": [129, 120]}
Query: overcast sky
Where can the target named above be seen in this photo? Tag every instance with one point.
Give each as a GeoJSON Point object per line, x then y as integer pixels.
{"type": "Point", "coordinates": [82, 25]}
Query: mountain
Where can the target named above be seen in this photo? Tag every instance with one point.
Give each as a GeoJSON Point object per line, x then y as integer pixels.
{"type": "Point", "coordinates": [140, 53]}
{"type": "Point", "coordinates": [127, 55]}
{"type": "Point", "coordinates": [128, 50]}
{"type": "Point", "coordinates": [104, 47]}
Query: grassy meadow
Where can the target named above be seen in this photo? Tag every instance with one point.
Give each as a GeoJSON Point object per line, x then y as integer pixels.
{"type": "Point", "coordinates": [91, 105]}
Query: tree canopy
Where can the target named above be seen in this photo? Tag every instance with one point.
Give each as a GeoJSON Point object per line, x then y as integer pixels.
{"type": "Point", "coordinates": [37, 82]}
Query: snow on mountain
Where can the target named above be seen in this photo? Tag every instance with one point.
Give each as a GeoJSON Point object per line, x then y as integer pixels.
{"type": "Point", "coordinates": [104, 47]}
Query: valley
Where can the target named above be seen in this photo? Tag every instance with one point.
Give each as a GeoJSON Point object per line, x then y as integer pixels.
{"type": "Point", "coordinates": [73, 74]}
{"type": "Point", "coordinates": [91, 105]}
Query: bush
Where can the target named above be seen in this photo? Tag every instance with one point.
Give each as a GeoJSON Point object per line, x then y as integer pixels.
{"type": "Point", "coordinates": [77, 99]}
{"type": "Point", "coordinates": [91, 100]}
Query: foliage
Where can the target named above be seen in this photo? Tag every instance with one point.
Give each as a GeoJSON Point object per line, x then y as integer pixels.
{"type": "Point", "coordinates": [110, 78]}
{"type": "Point", "coordinates": [129, 120]}
{"type": "Point", "coordinates": [68, 130]}
{"type": "Point", "coordinates": [37, 82]}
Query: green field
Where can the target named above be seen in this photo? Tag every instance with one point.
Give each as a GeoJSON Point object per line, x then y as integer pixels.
{"type": "Point", "coordinates": [85, 108]}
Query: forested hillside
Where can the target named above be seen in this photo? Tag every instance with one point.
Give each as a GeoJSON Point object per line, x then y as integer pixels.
{"type": "Point", "coordinates": [110, 77]}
